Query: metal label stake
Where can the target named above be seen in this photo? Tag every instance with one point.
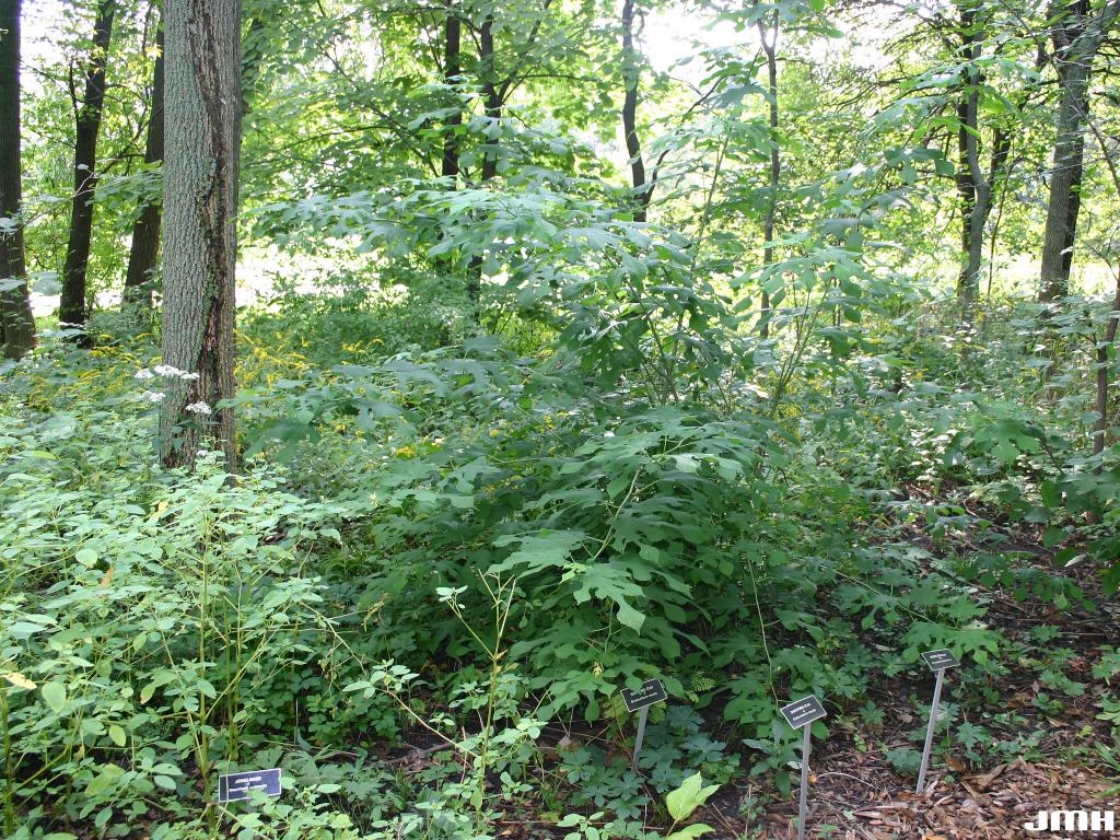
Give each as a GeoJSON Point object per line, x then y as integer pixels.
{"type": "Point", "coordinates": [938, 661]}
{"type": "Point", "coordinates": [643, 715]}
{"type": "Point", "coordinates": [801, 714]}
{"type": "Point", "coordinates": [652, 691]}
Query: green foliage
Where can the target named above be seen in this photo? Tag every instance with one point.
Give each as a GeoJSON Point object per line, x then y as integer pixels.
{"type": "Point", "coordinates": [357, 320]}
{"type": "Point", "coordinates": [145, 616]}
{"type": "Point", "coordinates": [683, 801]}
{"type": "Point", "coordinates": [480, 512]}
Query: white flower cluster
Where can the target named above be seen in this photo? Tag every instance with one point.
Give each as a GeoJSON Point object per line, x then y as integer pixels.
{"type": "Point", "coordinates": [166, 371]}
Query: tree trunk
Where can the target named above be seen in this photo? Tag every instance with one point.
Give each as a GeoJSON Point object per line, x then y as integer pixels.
{"type": "Point", "coordinates": [492, 106]}
{"type": "Point", "coordinates": [146, 231]}
{"type": "Point", "coordinates": [972, 189]}
{"type": "Point", "coordinates": [492, 99]}
{"type": "Point", "coordinates": [72, 308]}
{"type": "Point", "coordinates": [1065, 184]}
{"type": "Point", "coordinates": [630, 76]}
{"type": "Point", "coordinates": [1077, 32]}
{"type": "Point", "coordinates": [17, 325]}
{"type": "Point", "coordinates": [452, 68]}
{"type": "Point", "coordinates": [203, 114]}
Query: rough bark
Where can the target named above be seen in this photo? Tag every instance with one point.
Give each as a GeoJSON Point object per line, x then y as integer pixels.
{"type": "Point", "coordinates": [1065, 186]}
{"type": "Point", "coordinates": [146, 231]}
{"type": "Point", "coordinates": [17, 325]}
{"type": "Point", "coordinates": [72, 308]}
{"type": "Point", "coordinates": [203, 119]}
{"type": "Point", "coordinates": [452, 69]}
{"type": "Point", "coordinates": [492, 98]}
{"type": "Point", "coordinates": [1077, 33]}
{"type": "Point", "coordinates": [973, 189]}
{"type": "Point", "coordinates": [630, 78]}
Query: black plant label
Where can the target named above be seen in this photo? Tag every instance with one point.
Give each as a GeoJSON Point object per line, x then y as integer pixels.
{"type": "Point", "coordinates": [939, 660]}
{"type": "Point", "coordinates": [802, 712]}
{"type": "Point", "coordinates": [652, 691]}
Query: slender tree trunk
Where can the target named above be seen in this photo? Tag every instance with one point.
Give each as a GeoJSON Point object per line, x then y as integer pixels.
{"type": "Point", "coordinates": [492, 106]}
{"type": "Point", "coordinates": [146, 231]}
{"type": "Point", "coordinates": [768, 33]}
{"type": "Point", "coordinates": [17, 324]}
{"type": "Point", "coordinates": [203, 113]}
{"type": "Point", "coordinates": [997, 175]}
{"type": "Point", "coordinates": [72, 308]}
{"type": "Point", "coordinates": [1078, 29]}
{"type": "Point", "coordinates": [972, 189]}
{"type": "Point", "coordinates": [642, 190]}
{"type": "Point", "coordinates": [492, 99]}
{"type": "Point", "coordinates": [452, 68]}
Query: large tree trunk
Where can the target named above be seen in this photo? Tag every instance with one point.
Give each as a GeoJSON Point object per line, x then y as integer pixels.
{"type": "Point", "coordinates": [72, 308]}
{"type": "Point", "coordinates": [1077, 31]}
{"type": "Point", "coordinates": [17, 325]}
{"type": "Point", "coordinates": [203, 114]}
{"type": "Point", "coordinates": [1065, 184]}
{"type": "Point", "coordinates": [145, 232]}
{"type": "Point", "coordinates": [630, 77]}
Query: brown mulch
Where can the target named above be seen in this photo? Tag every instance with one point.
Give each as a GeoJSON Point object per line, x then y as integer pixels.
{"type": "Point", "coordinates": [868, 803]}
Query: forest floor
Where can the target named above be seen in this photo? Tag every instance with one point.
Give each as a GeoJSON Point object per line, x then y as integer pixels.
{"type": "Point", "coordinates": [1038, 756]}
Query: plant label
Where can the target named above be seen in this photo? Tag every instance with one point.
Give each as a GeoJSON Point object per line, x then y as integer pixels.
{"type": "Point", "coordinates": [939, 660]}
{"type": "Point", "coordinates": [652, 691]}
{"type": "Point", "coordinates": [803, 712]}
{"type": "Point", "coordinates": [236, 786]}
{"type": "Point", "coordinates": [799, 714]}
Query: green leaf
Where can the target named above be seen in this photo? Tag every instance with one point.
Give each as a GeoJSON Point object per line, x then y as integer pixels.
{"type": "Point", "coordinates": [25, 629]}
{"type": "Point", "coordinates": [688, 797]}
{"type": "Point", "coordinates": [117, 735]}
{"type": "Point", "coordinates": [539, 551]}
{"type": "Point", "coordinates": [630, 617]}
{"type": "Point", "coordinates": [944, 168]}
{"type": "Point", "coordinates": [1051, 495]}
{"type": "Point", "coordinates": [106, 780]}
{"type": "Point", "coordinates": [54, 695]}
{"type": "Point", "coordinates": [690, 831]}
{"type": "Point", "coordinates": [1055, 536]}
{"type": "Point", "coordinates": [86, 556]}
